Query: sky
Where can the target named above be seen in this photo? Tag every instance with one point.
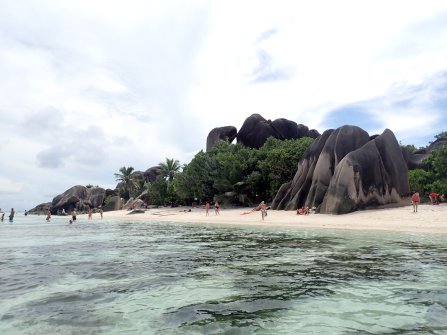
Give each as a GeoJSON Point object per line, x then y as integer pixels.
{"type": "Point", "coordinates": [87, 87]}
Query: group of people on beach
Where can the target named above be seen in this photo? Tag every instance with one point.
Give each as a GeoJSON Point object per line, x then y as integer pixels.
{"type": "Point", "coordinates": [216, 208]}
{"type": "Point", "coordinates": [11, 215]}
{"type": "Point", "coordinates": [416, 199]}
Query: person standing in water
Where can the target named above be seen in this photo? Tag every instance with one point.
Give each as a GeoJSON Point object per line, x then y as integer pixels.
{"type": "Point", "coordinates": [11, 215]}
{"type": "Point", "coordinates": [48, 215]}
{"type": "Point", "coordinates": [2, 214]}
{"type": "Point", "coordinates": [73, 215]}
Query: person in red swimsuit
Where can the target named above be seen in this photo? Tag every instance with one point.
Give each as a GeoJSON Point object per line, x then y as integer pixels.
{"type": "Point", "coordinates": [415, 199]}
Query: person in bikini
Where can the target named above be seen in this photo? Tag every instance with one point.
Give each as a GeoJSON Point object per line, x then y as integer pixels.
{"type": "Point", "coordinates": [415, 200]}
{"type": "Point", "coordinates": [216, 208]}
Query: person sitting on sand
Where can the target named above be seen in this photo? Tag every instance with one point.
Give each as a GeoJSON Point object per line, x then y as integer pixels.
{"type": "Point", "coordinates": [303, 210]}
{"type": "Point", "coordinates": [415, 199]}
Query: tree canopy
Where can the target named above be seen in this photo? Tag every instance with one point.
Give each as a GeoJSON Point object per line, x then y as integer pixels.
{"type": "Point", "coordinates": [240, 174]}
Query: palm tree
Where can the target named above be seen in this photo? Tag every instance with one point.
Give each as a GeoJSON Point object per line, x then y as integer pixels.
{"type": "Point", "coordinates": [126, 180]}
{"type": "Point", "coordinates": [169, 169]}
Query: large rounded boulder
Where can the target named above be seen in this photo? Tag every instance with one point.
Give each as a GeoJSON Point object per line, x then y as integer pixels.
{"type": "Point", "coordinates": [345, 170]}
{"type": "Point", "coordinates": [151, 174]}
{"type": "Point", "coordinates": [78, 197]}
{"type": "Point", "coordinates": [256, 130]}
{"type": "Point", "coordinates": [227, 133]}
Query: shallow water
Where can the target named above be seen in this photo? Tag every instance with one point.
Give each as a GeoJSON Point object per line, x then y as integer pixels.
{"type": "Point", "coordinates": [165, 278]}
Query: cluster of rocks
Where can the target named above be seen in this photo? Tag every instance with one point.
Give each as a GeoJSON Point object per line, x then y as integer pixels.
{"type": "Point", "coordinates": [256, 130]}
{"type": "Point", "coordinates": [346, 170]}
{"type": "Point", "coordinates": [415, 160]}
{"type": "Point", "coordinates": [82, 198]}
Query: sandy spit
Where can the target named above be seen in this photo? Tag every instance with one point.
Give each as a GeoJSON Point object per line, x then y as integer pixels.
{"type": "Point", "coordinates": [428, 219]}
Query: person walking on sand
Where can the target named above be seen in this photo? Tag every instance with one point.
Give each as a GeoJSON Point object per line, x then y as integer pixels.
{"type": "Point", "coordinates": [263, 209]}
{"type": "Point", "coordinates": [48, 215]}
{"type": "Point", "coordinates": [100, 211]}
{"type": "Point", "coordinates": [216, 208]}
{"type": "Point", "coordinates": [207, 208]}
{"type": "Point", "coordinates": [11, 215]}
{"type": "Point", "coordinates": [90, 212]}
{"type": "Point", "coordinates": [415, 199]}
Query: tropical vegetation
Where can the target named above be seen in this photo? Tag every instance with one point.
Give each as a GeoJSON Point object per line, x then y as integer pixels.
{"type": "Point", "coordinates": [237, 174]}
{"type": "Point", "coordinates": [434, 177]}
{"type": "Point", "coordinates": [229, 172]}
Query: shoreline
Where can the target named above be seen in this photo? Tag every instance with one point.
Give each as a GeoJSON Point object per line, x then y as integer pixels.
{"type": "Point", "coordinates": [428, 219]}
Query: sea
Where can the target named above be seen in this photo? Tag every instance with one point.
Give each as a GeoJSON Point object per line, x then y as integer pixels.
{"type": "Point", "coordinates": [114, 277]}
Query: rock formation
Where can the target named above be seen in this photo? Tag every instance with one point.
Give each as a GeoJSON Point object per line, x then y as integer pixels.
{"type": "Point", "coordinates": [415, 160]}
{"type": "Point", "coordinates": [151, 174]}
{"type": "Point", "coordinates": [40, 209]}
{"type": "Point", "coordinates": [221, 133]}
{"type": "Point", "coordinates": [346, 170]}
{"type": "Point", "coordinates": [256, 130]}
{"type": "Point", "coordinates": [78, 197]}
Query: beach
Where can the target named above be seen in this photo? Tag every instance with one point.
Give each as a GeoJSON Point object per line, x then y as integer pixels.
{"type": "Point", "coordinates": [428, 219]}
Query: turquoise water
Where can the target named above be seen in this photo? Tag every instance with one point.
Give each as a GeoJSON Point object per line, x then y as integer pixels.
{"type": "Point", "coordinates": [165, 278]}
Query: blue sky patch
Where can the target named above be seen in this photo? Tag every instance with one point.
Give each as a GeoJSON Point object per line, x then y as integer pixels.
{"type": "Point", "coordinates": [352, 115]}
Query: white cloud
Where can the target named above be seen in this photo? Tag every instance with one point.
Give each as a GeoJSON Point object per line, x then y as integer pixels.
{"type": "Point", "coordinates": [90, 86]}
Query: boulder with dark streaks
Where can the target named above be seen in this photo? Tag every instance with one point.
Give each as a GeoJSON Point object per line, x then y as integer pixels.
{"type": "Point", "coordinates": [346, 170]}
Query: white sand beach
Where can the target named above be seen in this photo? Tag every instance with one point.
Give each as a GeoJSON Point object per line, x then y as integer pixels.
{"type": "Point", "coordinates": [428, 219]}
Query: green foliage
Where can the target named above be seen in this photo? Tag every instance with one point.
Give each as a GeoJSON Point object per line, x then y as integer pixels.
{"type": "Point", "coordinates": [410, 148]}
{"type": "Point", "coordinates": [108, 199]}
{"type": "Point", "coordinates": [169, 168]}
{"type": "Point", "coordinates": [437, 162]}
{"type": "Point", "coordinates": [127, 181]}
{"type": "Point", "coordinates": [140, 186]}
{"type": "Point", "coordinates": [195, 181]}
{"type": "Point", "coordinates": [158, 192]}
{"type": "Point", "coordinates": [234, 163]}
{"type": "Point", "coordinates": [418, 180]}
{"type": "Point", "coordinates": [89, 186]}
{"type": "Point", "coordinates": [437, 168]}
{"type": "Point", "coordinates": [279, 160]}
{"type": "Point", "coordinates": [250, 173]}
